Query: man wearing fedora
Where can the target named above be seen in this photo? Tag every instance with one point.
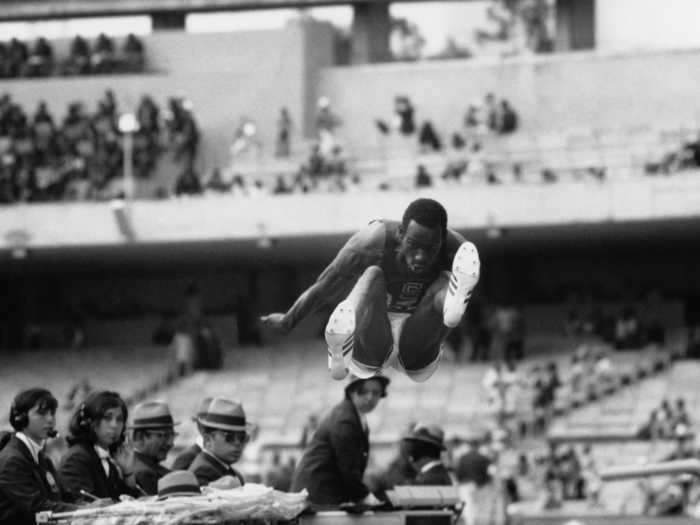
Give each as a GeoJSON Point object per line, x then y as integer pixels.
{"type": "Point", "coordinates": [423, 446]}
{"type": "Point", "coordinates": [334, 462]}
{"type": "Point", "coordinates": [152, 434]}
{"type": "Point", "coordinates": [178, 483]}
{"type": "Point", "coordinates": [225, 433]}
{"type": "Point", "coordinates": [185, 458]}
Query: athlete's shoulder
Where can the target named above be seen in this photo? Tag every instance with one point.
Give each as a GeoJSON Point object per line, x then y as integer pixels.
{"type": "Point", "coordinates": [371, 238]}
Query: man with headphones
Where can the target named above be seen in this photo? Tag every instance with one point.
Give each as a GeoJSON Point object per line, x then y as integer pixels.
{"type": "Point", "coordinates": [28, 480]}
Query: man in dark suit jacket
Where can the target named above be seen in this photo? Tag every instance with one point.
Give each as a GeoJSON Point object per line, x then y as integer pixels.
{"type": "Point", "coordinates": [473, 466]}
{"type": "Point", "coordinates": [186, 457]}
{"type": "Point", "coordinates": [334, 463]}
{"type": "Point", "coordinates": [153, 432]}
{"type": "Point", "coordinates": [225, 434]}
{"type": "Point", "coordinates": [423, 446]}
{"type": "Point", "coordinates": [28, 480]}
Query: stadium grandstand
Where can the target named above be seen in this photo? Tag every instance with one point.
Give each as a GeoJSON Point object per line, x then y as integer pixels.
{"type": "Point", "coordinates": [163, 190]}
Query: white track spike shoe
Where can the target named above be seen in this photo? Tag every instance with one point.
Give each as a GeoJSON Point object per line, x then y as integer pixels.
{"type": "Point", "coordinates": [465, 275]}
{"type": "Point", "coordinates": [340, 336]}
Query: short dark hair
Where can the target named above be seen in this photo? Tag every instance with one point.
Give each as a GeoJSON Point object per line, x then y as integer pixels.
{"type": "Point", "coordinates": [94, 409]}
{"type": "Point", "coordinates": [417, 450]}
{"type": "Point", "coordinates": [426, 212]}
{"type": "Point", "coordinates": [357, 384]}
{"type": "Point", "coordinates": [26, 400]}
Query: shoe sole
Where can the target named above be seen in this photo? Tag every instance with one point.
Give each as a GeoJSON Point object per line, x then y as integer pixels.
{"type": "Point", "coordinates": [466, 268]}
{"type": "Point", "coordinates": [340, 337]}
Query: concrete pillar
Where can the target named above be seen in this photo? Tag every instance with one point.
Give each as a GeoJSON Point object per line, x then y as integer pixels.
{"type": "Point", "coordinates": [168, 20]}
{"type": "Point", "coordinates": [371, 27]}
{"type": "Point", "coordinates": [575, 25]}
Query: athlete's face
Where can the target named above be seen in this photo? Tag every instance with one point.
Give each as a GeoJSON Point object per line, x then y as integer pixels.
{"type": "Point", "coordinates": [419, 247]}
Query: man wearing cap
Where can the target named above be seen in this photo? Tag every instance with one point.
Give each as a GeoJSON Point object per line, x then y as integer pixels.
{"type": "Point", "coordinates": [335, 460]}
{"type": "Point", "coordinates": [152, 433]}
{"type": "Point", "coordinates": [186, 457]}
{"type": "Point", "coordinates": [423, 446]}
{"type": "Point", "coordinates": [225, 433]}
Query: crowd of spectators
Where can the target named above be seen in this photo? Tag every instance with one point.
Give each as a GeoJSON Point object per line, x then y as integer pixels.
{"type": "Point", "coordinates": [685, 157]}
{"type": "Point", "coordinates": [667, 421]}
{"type": "Point", "coordinates": [19, 59]}
{"type": "Point", "coordinates": [81, 156]}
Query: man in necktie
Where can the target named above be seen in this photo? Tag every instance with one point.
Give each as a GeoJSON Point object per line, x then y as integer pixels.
{"type": "Point", "coordinates": [152, 435]}
{"type": "Point", "coordinates": [225, 433]}
{"type": "Point", "coordinates": [184, 459]}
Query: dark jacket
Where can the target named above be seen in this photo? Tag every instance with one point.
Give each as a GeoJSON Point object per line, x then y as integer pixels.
{"type": "Point", "coordinates": [186, 457]}
{"type": "Point", "coordinates": [25, 487]}
{"type": "Point", "coordinates": [144, 473]}
{"type": "Point", "coordinates": [208, 469]}
{"type": "Point", "coordinates": [436, 474]}
{"type": "Point", "coordinates": [81, 468]}
{"type": "Point", "coordinates": [473, 467]}
{"type": "Point", "coordinates": [334, 463]}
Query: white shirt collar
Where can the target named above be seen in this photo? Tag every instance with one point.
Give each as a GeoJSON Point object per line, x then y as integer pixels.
{"type": "Point", "coordinates": [223, 463]}
{"type": "Point", "coordinates": [33, 446]}
{"type": "Point", "coordinates": [104, 456]}
{"type": "Point", "coordinates": [199, 440]}
{"type": "Point", "coordinates": [429, 465]}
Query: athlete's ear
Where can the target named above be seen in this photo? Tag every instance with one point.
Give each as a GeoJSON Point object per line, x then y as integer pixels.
{"type": "Point", "coordinates": [400, 231]}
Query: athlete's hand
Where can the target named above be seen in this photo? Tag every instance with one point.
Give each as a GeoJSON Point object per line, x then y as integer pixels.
{"type": "Point", "coordinates": [277, 321]}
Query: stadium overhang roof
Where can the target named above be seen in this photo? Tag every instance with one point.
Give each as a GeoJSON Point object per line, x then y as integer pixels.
{"type": "Point", "coordinates": [48, 9]}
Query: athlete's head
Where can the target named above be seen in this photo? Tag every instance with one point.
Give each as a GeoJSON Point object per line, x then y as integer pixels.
{"type": "Point", "coordinates": [422, 234]}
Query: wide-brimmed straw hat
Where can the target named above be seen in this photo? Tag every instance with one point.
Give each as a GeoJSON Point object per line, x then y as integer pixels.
{"type": "Point", "coordinates": [202, 408]}
{"type": "Point", "coordinates": [151, 414]}
{"type": "Point", "coordinates": [225, 414]}
{"type": "Point", "coordinates": [178, 483]}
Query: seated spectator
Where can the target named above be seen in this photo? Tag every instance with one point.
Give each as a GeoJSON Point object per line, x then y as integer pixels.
{"type": "Point", "coordinates": [225, 433]}
{"type": "Point", "coordinates": [97, 430]}
{"type": "Point", "coordinates": [18, 54]}
{"type": "Point", "coordinates": [423, 448]}
{"type": "Point", "coordinates": [404, 114]}
{"type": "Point", "coordinates": [28, 480]}
{"type": "Point", "coordinates": [79, 58]}
{"type": "Point", "coordinates": [102, 59]}
{"type": "Point", "coordinates": [178, 484]}
{"type": "Point", "coordinates": [216, 183]}
{"type": "Point", "coordinates": [508, 118]}
{"type": "Point", "coordinates": [284, 133]}
{"type": "Point", "coordinates": [185, 458]}
{"type": "Point", "coordinates": [423, 178]}
{"type": "Point", "coordinates": [152, 435]}
{"type": "Point", "coordinates": [280, 186]}
{"type": "Point", "coordinates": [627, 330]}
{"type": "Point", "coordinates": [40, 62]}
{"type": "Point", "coordinates": [428, 139]}
{"type": "Point", "coordinates": [188, 183]}
{"type": "Point", "coordinates": [133, 54]}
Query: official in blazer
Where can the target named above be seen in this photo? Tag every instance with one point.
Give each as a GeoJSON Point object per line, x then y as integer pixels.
{"type": "Point", "coordinates": [334, 462]}
{"type": "Point", "coordinates": [225, 433]}
{"type": "Point", "coordinates": [97, 430]}
{"type": "Point", "coordinates": [28, 480]}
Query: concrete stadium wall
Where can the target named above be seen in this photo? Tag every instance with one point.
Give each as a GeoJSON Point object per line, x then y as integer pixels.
{"type": "Point", "coordinates": [551, 93]}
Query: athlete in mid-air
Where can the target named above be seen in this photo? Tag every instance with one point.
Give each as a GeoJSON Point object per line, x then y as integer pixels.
{"type": "Point", "coordinates": [409, 283]}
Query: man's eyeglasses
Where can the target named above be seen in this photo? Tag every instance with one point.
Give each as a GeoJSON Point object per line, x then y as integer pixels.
{"type": "Point", "coordinates": [236, 435]}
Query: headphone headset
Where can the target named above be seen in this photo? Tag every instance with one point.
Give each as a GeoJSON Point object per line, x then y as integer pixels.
{"type": "Point", "coordinates": [18, 420]}
{"type": "Point", "coordinates": [84, 421]}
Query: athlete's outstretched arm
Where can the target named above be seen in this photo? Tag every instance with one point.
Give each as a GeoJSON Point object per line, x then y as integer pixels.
{"type": "Point", "coordinates": [363, 249]}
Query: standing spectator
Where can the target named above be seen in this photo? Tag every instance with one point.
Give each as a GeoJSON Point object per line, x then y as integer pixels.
{"type": "Point", "coordinates": [183, 131]}
{"type": "Point", "coordinates": [404, 114]}
{"type": "Point", "coordinates": [152, 435]}
{"type": "Point", "coordinates": [326, 124]}
{"type": "Point", "coordinates": [28, 480]}
{"type": "Point", "coordinates": [428, 140]}
{"type": "Point", "coordinates": [225, 433]}
{"type": "Point", "coordinates": [97, 431]}
{"type": "Point", "coordinates": [473, 466]}
{"type": "Point", "coordinates": [491, 112]}
{"type": "Point", "coordinates": [334, 463]}
{"type": "Point", "coordinates": [188, 182]}
{"type": "Point", "coordinates": [284, 133]}
{"type": "Point", "coordinates": [18, 55]}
